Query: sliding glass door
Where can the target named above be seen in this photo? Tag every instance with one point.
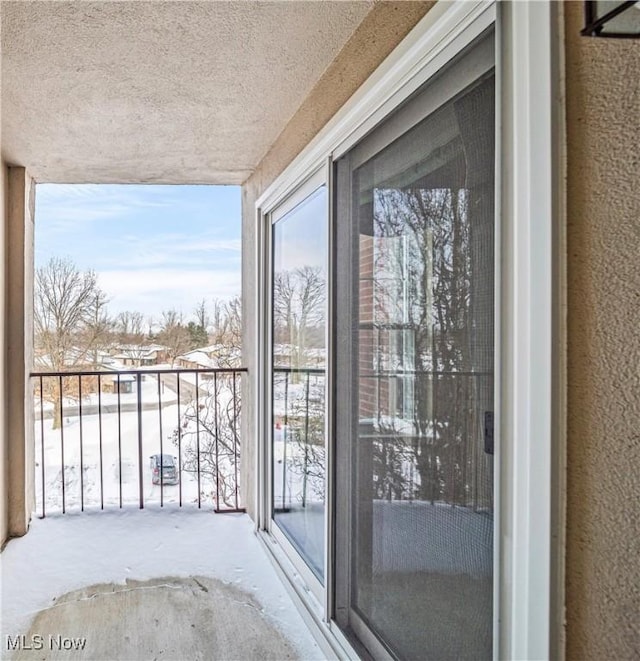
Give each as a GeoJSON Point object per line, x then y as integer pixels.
{"type": "Point", "coordinates": [298, 381]}
{"type": "Point", "coordinates": [415, 373]}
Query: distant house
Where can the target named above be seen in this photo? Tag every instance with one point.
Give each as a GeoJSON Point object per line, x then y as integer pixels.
{"type": "Point", "coordinates": [196, 359]}
{"type": "Point", "coordinates": [76, 359]}
{"type": "Point", "coordinates": [212, 356]}
{"type": "Point", "coordinates": [290, 355]}
{"type": "Point", "coordinates": [125, 383]}
{"type": "Point", "coordinates": [139, 355]}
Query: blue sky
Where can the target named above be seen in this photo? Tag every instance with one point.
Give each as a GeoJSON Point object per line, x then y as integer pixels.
{"type": "Point", "coordinates": [153, 247]}
{"type": "Point", "coordinates": [301, 235]}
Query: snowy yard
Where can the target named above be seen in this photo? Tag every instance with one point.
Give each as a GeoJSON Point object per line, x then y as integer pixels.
{"type": "Point", "coordinates": [120, 460]}
{"type": "Point", "coordinates": [109, 399]}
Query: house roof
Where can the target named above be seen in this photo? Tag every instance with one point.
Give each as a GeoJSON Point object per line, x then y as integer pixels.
{"type": "Point", "coordinates": [123, 378]}
{"type": "Point", "coordinates": [212, 355]}
{"type": "Point", "coordinates": [199, 358]}
{"type": "Point", "coordinates": [76, 356]}
{"type": "Point", "coordinates": [136, 350]}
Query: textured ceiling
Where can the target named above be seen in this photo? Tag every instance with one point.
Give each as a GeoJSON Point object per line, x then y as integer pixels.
{"type": "Point", "coordinates": [172, 92]}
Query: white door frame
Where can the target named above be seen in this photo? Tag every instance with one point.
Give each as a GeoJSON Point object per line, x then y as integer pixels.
{"type": "Point", "coordinates": [528, 443]}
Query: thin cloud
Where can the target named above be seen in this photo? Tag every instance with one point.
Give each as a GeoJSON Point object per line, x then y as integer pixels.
{"type": "Point", "coordinates": [173, 250]}
{"type": "Point", "coordinates": [131, 196]}
{"type": "Point", "coordinates": [62, 206]}
{"type": "Point", "coordinates": [141, 289]}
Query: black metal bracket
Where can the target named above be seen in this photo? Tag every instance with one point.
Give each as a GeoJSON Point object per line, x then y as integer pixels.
{"type": "Point", "coordinates": [488, 432]}
{"type": "Point", "coordinates": [594, 25]}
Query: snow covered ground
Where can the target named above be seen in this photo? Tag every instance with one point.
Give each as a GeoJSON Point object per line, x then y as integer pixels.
{"type": "Point", "coordinates": [149, 396]}
{"type": "Point", "coordinates": [292, 400]}
{"type": "Point", "coordinates": [120, 458]}
{"type": "Point", "coordinates": [64, 553]}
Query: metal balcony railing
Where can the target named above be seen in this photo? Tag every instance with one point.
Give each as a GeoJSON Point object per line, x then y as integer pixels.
{"type": "Point", "coordinates": [164, 436]}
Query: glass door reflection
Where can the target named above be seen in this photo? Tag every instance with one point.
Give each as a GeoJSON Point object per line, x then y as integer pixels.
{"type": "Point", "coordinates": [298, 286]}
{"type": "Point", "coordinates": [420, 310]}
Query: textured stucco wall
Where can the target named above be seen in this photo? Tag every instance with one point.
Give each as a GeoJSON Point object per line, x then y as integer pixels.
{"type": "Point", "coordinates": [603, 235]}
{"type": "Point", "coordinates": [159, 92]}
{"type": "Point", "coordinates": [379, 33]}
{"type": "Point", "coordinates": [19, 357]}
{"type": "Point", "coordinates": [4, 448]}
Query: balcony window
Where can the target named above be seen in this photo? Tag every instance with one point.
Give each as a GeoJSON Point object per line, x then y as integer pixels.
{"type": "Point", "coordinates": [298, 307]}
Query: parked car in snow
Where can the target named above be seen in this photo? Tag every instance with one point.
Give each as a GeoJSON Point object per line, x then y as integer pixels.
{"type": "Point", "coordinates": [168, 464]}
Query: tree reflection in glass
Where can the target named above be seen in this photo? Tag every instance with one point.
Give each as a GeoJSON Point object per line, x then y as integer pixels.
{"type": "Point", "coordinates": [299, 360]}
{"type": "Point", "coordinates": [422, 477]}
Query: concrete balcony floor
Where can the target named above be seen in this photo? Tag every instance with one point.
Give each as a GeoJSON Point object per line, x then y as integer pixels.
{"type": "Point", "coordinates": [147, 584]}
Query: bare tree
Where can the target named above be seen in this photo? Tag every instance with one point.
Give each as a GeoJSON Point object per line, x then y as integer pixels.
{"type": "Point", "coordinates": [433, 320]}
{"type": "Point", "coordinates": [232, 338]}
{"type": "Point", "coordinates": [209, 438]}
{"type": "Point", "coordinates": [226, 322]}
{"type": "Point", "coordinates": [298, 310]}
{"type": "Point", "coordinates": [209, 428]}
{"type": "Point", "coordinates": [69, 319]}
{"type": "Point", "coordinates": [202, 316]}
{"type": "Point", "coordinates": [198, 332]}
{"type": "Point", "coordinates": [98, 328]}
{"type": "Point", "coordinates": [174, 335]}
{"type": "Point", "coordinates": [304, 456]}
{"type": "Point", "coordinates": [130, 330]}
{"type": "Point", "coordinates": [226, 330]}
{"type": "Point", "coordinates": [130, 327]}
{"type": "Point", "coordinates": [217, 320]}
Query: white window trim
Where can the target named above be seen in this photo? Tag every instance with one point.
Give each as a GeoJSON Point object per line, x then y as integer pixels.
{"type": "Point", "coordinates": [530, 115]}
{"type": "Point", "coordinates": [287, 204]}
{"type": "Point", "coordinates": [527, 113]}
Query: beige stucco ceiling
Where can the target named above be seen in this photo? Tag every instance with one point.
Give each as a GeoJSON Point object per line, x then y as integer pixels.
{"type": "Point", "coordinates": [171, 92]}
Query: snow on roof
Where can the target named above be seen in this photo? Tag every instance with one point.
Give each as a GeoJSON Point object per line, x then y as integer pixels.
{"type": "Point", "coordinates": [75, 357]}
{"type": "Point", "coordinates": [123, 377]}
{"type": "Point", "coordinates": [211, 348]}
{"type": "Point", "coordinates": [292, 349]}
{"type": "Point", "coordinates": [215, 349]}
{"type": "Point", "coordinates": [199, 357]}
{"type": "Point", "coordinates": [280, 349]}
{"type": "Point", "coordinates": [215, 355]}
{"type": "Point", "coordinates": [136, 351]}
{"type": "Point", "coordinates": [151, 368]}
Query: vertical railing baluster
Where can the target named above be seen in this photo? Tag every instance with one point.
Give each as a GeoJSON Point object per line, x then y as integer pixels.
{"type": "Point", "coordinates": [179, 443]}
{"type": "Point", "coordinates": [198, 435]}
{"type": "Point", "coordinates": [235, 439]}
{"type": "Point", "coordinates": [100, 443]}
{"type": "Point", "coordinates": [62, 442]}
{"type": "Point", "coordinates": [139, 402]}
{"type": "Point", "coordinates": [42, 445]}
{"type": "Point", "coordinates": [81, 440]}
{"type": "Point", "coordinates": [119, 444]}
{"type": "Point", "coordinates": [217, 433]}
{"type": "Point", "coordinates": [161, 448]}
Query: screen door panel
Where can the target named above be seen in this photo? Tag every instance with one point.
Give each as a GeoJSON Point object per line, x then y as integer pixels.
{"type": "Point", "coordinates": [419, 309]}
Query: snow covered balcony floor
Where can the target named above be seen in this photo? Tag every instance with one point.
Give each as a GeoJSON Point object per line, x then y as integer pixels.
{"type": "Point", "coordinates": [147, 584]}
